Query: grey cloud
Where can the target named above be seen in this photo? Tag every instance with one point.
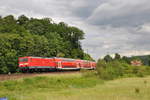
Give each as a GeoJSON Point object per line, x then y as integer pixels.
{"type": "Point", "coordinates": [112, 40]}
{"type": "Point", "coordinates": [118, 13]}
{"type": "Point", "coordinates": [84, 8]}
{"type": "Point", "coordinates": [35, 7]}
{"type": "Point", "coordinates": [110, 25]}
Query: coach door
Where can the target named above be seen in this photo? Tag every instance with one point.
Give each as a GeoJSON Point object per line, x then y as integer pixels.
{"type": "Point", "coordinates": [78, 65]}
{"type": "Point", "coordinates": [91, 65]}
{"type": "Point", "coordinates": [59, 65]}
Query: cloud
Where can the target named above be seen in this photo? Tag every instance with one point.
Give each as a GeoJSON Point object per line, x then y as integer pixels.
{"type": "Point", "coordinates": [121, 13]}
{"type": "Point", "coordinates": [111, 26]}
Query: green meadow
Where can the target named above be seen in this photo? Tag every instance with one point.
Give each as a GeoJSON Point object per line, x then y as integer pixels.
{"type": "Point", "coordinates": [75, 87]}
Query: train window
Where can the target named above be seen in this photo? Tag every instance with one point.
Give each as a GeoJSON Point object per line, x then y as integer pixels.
{"type": "Point", "coordinates": [69, 60]}
{"type": "Point", "coordinates": [23, 59]}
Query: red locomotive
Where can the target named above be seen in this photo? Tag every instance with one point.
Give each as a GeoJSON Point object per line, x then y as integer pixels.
{"type": "Point", "coordinates": [55, 63]}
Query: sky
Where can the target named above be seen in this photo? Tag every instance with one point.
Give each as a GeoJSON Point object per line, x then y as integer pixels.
{"type": "Point", "coordinates": [110, 26]}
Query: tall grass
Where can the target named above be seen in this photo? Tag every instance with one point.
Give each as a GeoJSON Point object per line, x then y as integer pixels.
{"type": "Point", "coordinates": [119, 89]}
{"type": "Point", "coordinates": [45, 84]}
{"type": "Point", "coordinates": [48, 83]}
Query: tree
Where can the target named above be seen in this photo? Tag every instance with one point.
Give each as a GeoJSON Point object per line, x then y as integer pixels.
{"type": "Point", "coordinates": [9, 19]}
{"type": "Point", "coordinates": [88, 57]}
{"type": "Point", "coordinates": [22, 20]}
{"type": "Point", "coordinates": [126, 59]}
{"type": "Point", "coordinates": [117, 56]}
{"type": "Point", "coordinates": [60, 55]}
{"type": "Point", "coordinates": [108, 58]}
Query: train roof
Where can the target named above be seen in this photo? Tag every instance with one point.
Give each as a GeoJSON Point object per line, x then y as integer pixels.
{"type": "Point", "coordinates": [70, 59]}
{"type": "Point", "coordinates": [36, 57]}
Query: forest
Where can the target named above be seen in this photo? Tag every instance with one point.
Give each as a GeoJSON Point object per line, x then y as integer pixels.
{"type": "Point", "coordinates": [24, 36]}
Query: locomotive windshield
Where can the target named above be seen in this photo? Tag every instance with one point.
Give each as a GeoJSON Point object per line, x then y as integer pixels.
{"type": "Point", "coordinates": [23, 59]}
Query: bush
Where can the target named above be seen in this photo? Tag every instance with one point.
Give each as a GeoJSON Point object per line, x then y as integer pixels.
{"type": "Point", "coordinates": [118, 68]}
{"type": "Point", "coordinates": [109, 70]}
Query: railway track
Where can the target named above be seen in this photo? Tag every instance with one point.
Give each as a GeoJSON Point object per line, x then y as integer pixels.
{"type": "Point", "coordinates": [23, 75]}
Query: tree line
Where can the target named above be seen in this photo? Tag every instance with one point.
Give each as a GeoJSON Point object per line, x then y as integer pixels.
{"type": "Point", "coordinates": [25, 36]}
{"type": "Point", "coordinates": [145, 59]}
{"type": "Point", "coordinates": [110, 68]}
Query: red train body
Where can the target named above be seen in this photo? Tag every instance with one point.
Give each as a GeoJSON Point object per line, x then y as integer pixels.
{"type": "Point", "coordinates": [27, 63]}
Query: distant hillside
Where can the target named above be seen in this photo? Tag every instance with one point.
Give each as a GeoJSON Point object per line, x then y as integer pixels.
{"type": "Point", "coordinates": [144, 58]}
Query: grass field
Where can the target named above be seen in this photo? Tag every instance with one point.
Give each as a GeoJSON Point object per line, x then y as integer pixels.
{"type": "Point", "coordinates": [75, 87]}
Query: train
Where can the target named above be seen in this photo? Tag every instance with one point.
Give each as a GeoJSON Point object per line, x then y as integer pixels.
{"type": "Point", "coordinates": [29, 63]}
